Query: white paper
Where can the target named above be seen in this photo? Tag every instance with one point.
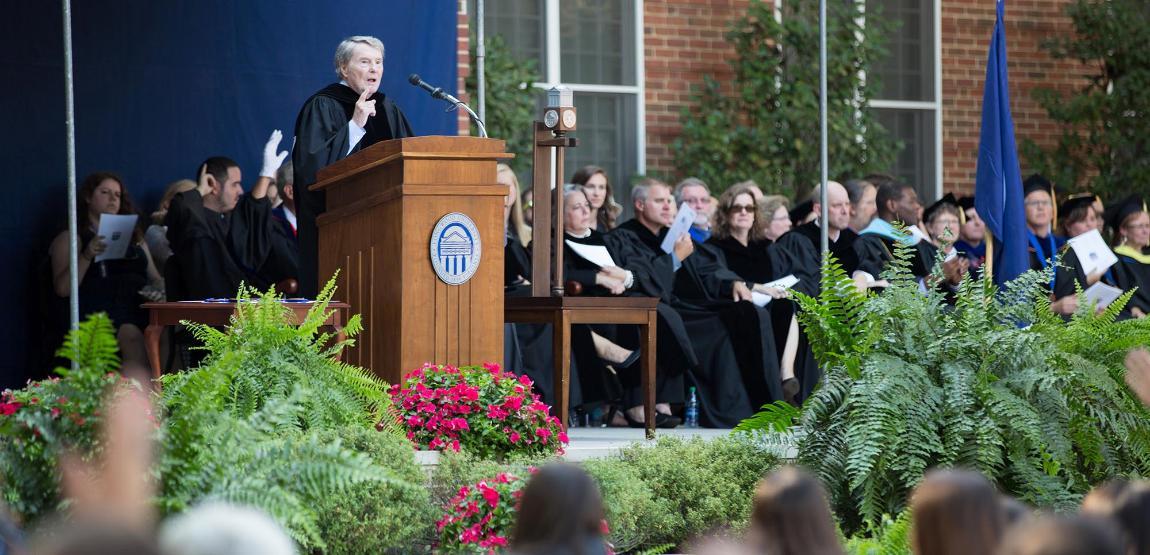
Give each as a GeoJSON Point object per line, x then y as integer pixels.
{"type": "Point", "coordinates": [1101, 294]}
{"type": "Point", "coordinates": [786, 282]}
{"type": "Point", "coordinates": [681, 225]}
{"type": "Point", "coordinates": [1092, 252]}
{"type": "Point", "coordinates": [760, 299]}
{"type": "Point", "coordinates": [595, 254]}
{"type": "Point", "coordinates": [117, 231]}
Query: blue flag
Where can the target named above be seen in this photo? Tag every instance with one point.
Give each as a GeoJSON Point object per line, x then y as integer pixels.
{"type": "Point", "coordinates": [998, 181]}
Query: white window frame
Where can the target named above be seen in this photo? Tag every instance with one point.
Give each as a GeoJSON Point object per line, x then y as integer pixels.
{"type": "Point", "coordinates": [553, 56]}
{"type": "Point", "coordinates": [935, 105]}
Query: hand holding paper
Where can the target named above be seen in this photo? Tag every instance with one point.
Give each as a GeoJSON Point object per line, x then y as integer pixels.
{"type": "Point", "coordinates": [1092, 252]}
{"type": "Point", "coordinates": [681, 225]}
{"type": "Point", "coordinates": [117, 232]}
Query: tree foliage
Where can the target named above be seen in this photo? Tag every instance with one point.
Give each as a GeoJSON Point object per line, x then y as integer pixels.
{"type": "Point", "coordinates": [1103, 142]}
{"type": "Point", "coordinates": [509, 98]}
{"type": "Point", "coordinates": [997, 383]}
{"type": "Point", "coordinates": [764, 124]}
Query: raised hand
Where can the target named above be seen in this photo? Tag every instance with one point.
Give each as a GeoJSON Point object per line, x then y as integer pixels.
{"type": "Point", "coordinates": [272, 160]}
{"type": "Point", "coordinates": [684, 246]}
{"type": "Point", "coordinates": [205, 183]}
{"type": "Point", "coordinates": [364, 109]}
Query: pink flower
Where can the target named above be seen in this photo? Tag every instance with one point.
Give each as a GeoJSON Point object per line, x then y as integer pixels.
{"type": "Point", "coordinates": [8, 409]}
{"type": "Point", "coordinates": [492, 367]}
{"type": "Point", "coordinates": [563, 437]}
{"type": "Point", "coordinates": [525, 380]}
{"type": "Point", "coordinates": [513, 404]}
{"type": "Point", "coordinates": [514, 437]}
{"type": "Point", "coordinates": [489, 494]}
{"type": "Point", "coordinates": [543, 433]}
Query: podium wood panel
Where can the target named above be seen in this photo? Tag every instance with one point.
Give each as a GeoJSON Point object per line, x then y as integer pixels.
{"type": "Point", "coordinates": [382, 206]}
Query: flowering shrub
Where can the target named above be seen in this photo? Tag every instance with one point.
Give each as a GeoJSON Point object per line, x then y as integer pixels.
{"type": "Point", "coordinates": [480, 517]}
{"type": "Point", "coordinates": [36, 422]}
{"type": "Point", "coordinates": [481, 409]}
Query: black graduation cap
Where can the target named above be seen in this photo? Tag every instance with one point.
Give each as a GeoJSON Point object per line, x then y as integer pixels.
{"type": "Point", "coordinates": [946, 199]}
{"type": "Point", "coordinates": [1075, 201]}
{"type": "Point", "coordinates": [801, 211]}
{"type": "Point", "coordinates": [1037, 182]}
{"type": "Point", "coordinates": [1116, 213]}
{"type": "Point", "coordinates": [966, 203]}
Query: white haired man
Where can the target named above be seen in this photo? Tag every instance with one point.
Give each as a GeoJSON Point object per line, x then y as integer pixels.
{"type": "Point", "coordinates": [339, 119]}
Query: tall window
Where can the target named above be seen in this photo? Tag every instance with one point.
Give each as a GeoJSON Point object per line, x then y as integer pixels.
{"type": "Point", "coordinates": [591, 47]}
{"type": "Point", "coordinates": [908, 104]}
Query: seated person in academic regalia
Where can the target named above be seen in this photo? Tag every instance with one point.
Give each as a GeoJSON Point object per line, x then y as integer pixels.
{"type": "Point", "coordinates": [1130, 225]}
{"type": "Point", "coordinates": [1078, 216]}
{"type": "Point", "coordinates": [597, 186]}
{"type": "Point", "coordinates": [1038, 200]}
{"type": "Point", "coordinates": [614, 345]}
{"type": "Point", "coordinates": [285, 214]}
{"type": "Point", "coordinates": [942, 220]}
{"type": "Point", "coordinates": [516, 258]}
{"type": "Point", "coordinates": [840, 239]}
{"type": "Point", "coordinates": [861, 193]}
{"type": "Point", "coordinates": [116, 287]}
{"type": "Point", "coordinates": [340, 119]}
{"type": "Point", "coordinates": [898, 202]}
{"type": "Point", "coordinates": [737, 368]}
{"type": "Point", "coordinates": [742, 233]}
{"type": "Point", "coordinates": [697, 195]}
{"type": "Point", "coordinates": [971, 235]}
{"type": "Point", "coordinates": [221, 237]}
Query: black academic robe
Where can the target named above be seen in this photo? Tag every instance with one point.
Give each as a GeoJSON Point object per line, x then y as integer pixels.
{"type": "Point", "coordinates": [215, 252]}
{"type": "Point", "coordinates": [875, 251]}
{"type": "Point", "coordinates": [1130, 273]}
{"type": "Point", "coordinates": [737, 369]}
{"type": "Point", "coordinates": [322, 138]}
{"type": "Point", "coordinates": [1071, 276]}
{"type": "Point", "coordinates": [843, 249]}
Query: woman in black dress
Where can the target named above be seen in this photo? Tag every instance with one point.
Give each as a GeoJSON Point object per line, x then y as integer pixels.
{"type": "Point", "coordinates": [116, 287]}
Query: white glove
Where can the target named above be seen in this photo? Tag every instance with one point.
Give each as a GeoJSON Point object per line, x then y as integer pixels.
{"type": "Point", "coordinates": [273, 161]}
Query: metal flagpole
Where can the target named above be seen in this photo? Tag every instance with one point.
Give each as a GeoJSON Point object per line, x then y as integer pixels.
{"type": "Point", "coordinates": [480, 59]}
{"type": "Point", "coordinates": [823, 241]}
{"type": "Point", "coordinates": [70, 126]}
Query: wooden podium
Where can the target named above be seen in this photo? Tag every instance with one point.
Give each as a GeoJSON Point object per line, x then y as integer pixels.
{"type": "Point", "coordinates": [383, 204]}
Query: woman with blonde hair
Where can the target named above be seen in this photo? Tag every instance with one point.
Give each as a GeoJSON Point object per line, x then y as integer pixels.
{"type": "Point", "coordinates": [516, 258]}
{"type": "Point", "coordinates": [156, 236]}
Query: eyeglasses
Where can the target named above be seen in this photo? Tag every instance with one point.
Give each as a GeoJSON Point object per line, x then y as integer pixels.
{"type": "Point", "coordinates": [746, 208]}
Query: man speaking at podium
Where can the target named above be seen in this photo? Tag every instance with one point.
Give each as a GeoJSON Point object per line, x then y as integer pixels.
{"type": "Point", "coordinates": [340, 119]}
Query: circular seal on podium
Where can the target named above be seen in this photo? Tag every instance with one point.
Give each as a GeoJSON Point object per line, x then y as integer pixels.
{"type": "Point", "coordinates": [456, 248]}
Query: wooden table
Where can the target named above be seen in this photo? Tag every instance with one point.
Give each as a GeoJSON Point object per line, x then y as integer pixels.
{"type": "Point", "coordinates": [561, 312]}
{"type": "Point", "coordinates": [162, 315]}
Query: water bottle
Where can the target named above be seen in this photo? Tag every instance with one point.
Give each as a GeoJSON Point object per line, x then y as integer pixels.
{"type": "Point", "coordinates": [692, 410]}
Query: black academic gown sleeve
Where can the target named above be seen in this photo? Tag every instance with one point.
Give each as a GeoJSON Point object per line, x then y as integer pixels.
{"type": "Point", "coordinates": [872, 253]}
{"type": "Point", "coordinates": [794, 254]}
{"type": "Point", "coordinates": [1130, 274]}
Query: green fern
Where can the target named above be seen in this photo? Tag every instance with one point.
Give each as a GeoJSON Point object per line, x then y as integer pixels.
{"type": "Point", "coordinates": [997, 382]}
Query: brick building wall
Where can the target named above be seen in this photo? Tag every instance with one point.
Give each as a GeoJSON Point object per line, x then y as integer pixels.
{"type": "Point", "coordinates": [683, 40]}
{"type": "Point", "coordinates": [966, 28]}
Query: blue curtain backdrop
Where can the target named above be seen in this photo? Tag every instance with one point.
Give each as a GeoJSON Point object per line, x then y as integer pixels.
{"type": "Point", "coordinates": [161, 85]}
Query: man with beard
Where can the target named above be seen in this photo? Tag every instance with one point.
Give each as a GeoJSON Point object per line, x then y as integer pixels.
{"type": "Point", "coordinates": [737, 369]}
{"type": "Point", "coordinates": [340, 119]}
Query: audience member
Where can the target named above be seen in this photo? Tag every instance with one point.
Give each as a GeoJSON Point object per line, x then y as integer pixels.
{"type": "Point", "coordinates": [942, 220]}
{"type": "Point", "coordinates": [775, 213]}
{"type": "Point", "coordinates": [955, 512]}
{"type": "Point", "coordinates": [516, 258]}
{"type": "Point", "coordinates": [156, 235]}
{"type": "Point", "coordinates": [861, 193]}
{"type": "Point", "coordinates": [224, 529]}
{"type": "Point", "coordinates": [285, 213]}
{"type": "Point", "coordinates": [1130, 224]}
{"type": "Point", "coordinates": [1061, 535]}
{"type": "Point", "coordinates": [604, 210]}
{"type": "Point", "coordinates": [791, 516]}
{"type": "Point", "coordinates": [116, 286]}
{"type": "Point", "coordinates": [898, 202]}
{"type": "Point", "coordinates": [1038, 201]}
{"type": "Point", "coordinates": [1078, 217]}
{"type": "Point", "coordinates": [697, 195]}
{"type": "Point", "coordinates": [560, 513]}
{"type": "Point", "coordinates": [1127, 504]}
{"type": "Point", "coordinates": [840, 239]}
{"type": "Point", "coordinates": [972, 234]}
{"type": "Point", "coordinates": [221, 237]}
{"type": "Point", "coordinates": [737, 370]}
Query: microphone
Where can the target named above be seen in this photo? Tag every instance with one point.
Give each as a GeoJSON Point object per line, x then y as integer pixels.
{"type": "Point", "coordinates": [435, 92]}
{"type": "Point", "coordinates": [440, 94]}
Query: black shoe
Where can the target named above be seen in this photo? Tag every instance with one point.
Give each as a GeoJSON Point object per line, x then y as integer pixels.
{"type": "Point", "coordinates": [628, 362]}
{"type": "Point", "coordinates": [661, 421]}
